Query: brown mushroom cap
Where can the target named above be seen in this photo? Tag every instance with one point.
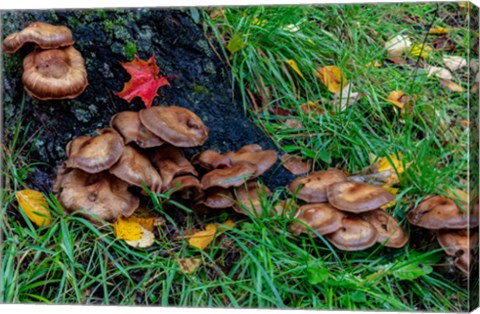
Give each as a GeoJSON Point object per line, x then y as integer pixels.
{"type": "Point", "coordinates": [236, 175]}
{"type": "Point", "coordinates": [54, 74]}
{"type": "Point", "coordinates": [459, 243]}
{"type": "Point", "coordinates": [102, 194]}
{"type": "Point", "coordinates": [176, 125]}
{"type": "Point", "coordinates": [295, 164]}
{"type": "Point", "coordinates": [210, 159]}
{"type": "Point", "coordinates": [128, 124]}
{"type": "Point", "coordinates": [217, 197]}
{"type": "Point", "coordinates": [313, 188]}
{"type": "Point", "coordinates": [354, 235]}
{"type": "Point", "coordinates": [188, 185]}
{"type": "Point", "coordinates": [250, 148]}
{"type": "Point", "coordinates": [357, 197]}
{"type": "Point", "coordinates": [136, 169]}
{"type": "Point", "coordinates": [171, 162]}
{"type": "Point", "coordinates": [262, 159]}
{"type": "Point", "coordinates": [249, 197]}
{"type": "Point", "coordinates": [74, 145]}
{"type": "Point", "coordinates": [44, 35]}
{"type": "Point", "coordinates": [438, 212]}
{"type": "Point", "coordinates": [322, 217]}
{"type": "Point", "coordinates": [389, 233]}
{"type": "Point", "coordinates": [97, 153]}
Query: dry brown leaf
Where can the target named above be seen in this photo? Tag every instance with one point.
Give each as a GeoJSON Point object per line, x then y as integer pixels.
{"type": "Point", "coordinates": [35, 206]}
{"type": "Point", "coordinates": [442, 73]}
{"type": "Point", "coordinates": [451, 86]}
{"type": "Point", "coordinates": [296, 165]}
{"type": "Point", "coordinates": [454, 63]}
{"type": "Point", "coordinates": [332, 77]}
{"type": "Point", "coordinates": [188, 265]}
{"type": "Point", "coordinates": [202, 239]}
{"type": "Point", "coordinates": [346, 98]}
{"type": "Point", "coordinates": [398, 45]}
{"type": "Point", "coordinates": [293, 124]}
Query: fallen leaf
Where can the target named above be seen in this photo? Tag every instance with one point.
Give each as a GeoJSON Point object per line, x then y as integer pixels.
{"type": "Point", "coordinates": [188, 265]}
{"type": "Point", "coordinates": [295, 164]}
{"type": "Point", "coordinates": [235, 44]}
{"type": "Point", "coordinates": [376, 64]}
{"type": "Point", "coordinates": [397, 97]}
{"type": "Point", "coordinates": [454, 63]}
{"type": "Point", "coordinates": [146, 240]}
{"type": "Point", "coordinates": [127, 229]}
{"type": "Point", "coordinates": [144, 82]}
{"type": "Point", "coordinates": [228, 223]}
{"type": "Point", "coordinates": [259, 22]}
{"type": "Point", "coordinates": [398, 45]}
{"type": "Point", "coordinates": [216, 13]}
{"type": "Point", "coordinates": [440, 73]}
{"type": "Point", "coordinates": [294, 66]}
{"type": "Point", "coordinates": [310, 107]}
{"type": "Point", "coordinates": [332, 77]}
{"type": "Point", "coordinates": [390, 166]}
{"type": "Point", "coordinates": [420, 51]}
{"type": "Point", "coordinates": [35, 206]}
{"type": "Point", "coordinates": [346, 98]}
{"type": "Point", "coordinates": [394, 191]}
{"type": "Point", "coordinates": [397, 60]}
{"type": "Point", "coordinates": [293, 124]}
{"type": "Point", "coordinates": [438, 30]}
{"type": "Point", "coordinates": [457, 194]}
{"type": "Point", "coordinates": [291, 28]}
{"type": "Point", "coordinates": [202, 239]}
{"type": "Point", "coordinates": [451, 86]}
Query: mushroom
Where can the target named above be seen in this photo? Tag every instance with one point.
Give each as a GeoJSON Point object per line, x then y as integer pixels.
{"type": "Point", "coordinates": [313, 188]}
{"type": "Point", "coordinates": [249, 198]}
{"type": "Point", "coordinates": [44, 35]}
{"type": "Point", "coordinates": [262, 159]}
{"type": "Point", "coordinates": [321, 217]}
{"type": "Point", "coordinates": [389, 233]}
{"type": "Point", "coordinates": [218, 197]}
{"type": "Point", "coordinates": [210, 159]}
{"type": "Point", "coordinates": [176, 125]}
{"type": "Point", "coordinates": [355, 234]}
{"type": "Point", "coordinates": [101, 194]}
{"type": "Point", "coordinates": [437, 212]}
{"type": "Point", "coordinates": [188, 185]}
{"type": "Point", "coordinates": [97, 153]}
{"type": "Point", "coordinates": [357, 197]}
{"type": "Point", "coordinates": [295, 164]}
{"type": "Point", "coordinates": [136, 169]}
{"type": "Point", "coordinates": [171, 162]}
{"type": "Point", "coordinates": [249, 148]}
{"type": "Point", "coordinates": [54, 74]}
{"type": "Point", "coordinates": [236, 175]}
{"type": "Point", "coordinates": [128, 124]}
{"type": "Point", "coordinates": [459, 243]}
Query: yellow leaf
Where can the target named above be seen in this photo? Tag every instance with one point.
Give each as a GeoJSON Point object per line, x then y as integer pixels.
{"type": "Point", "coordinates": [235, 44]}
{"type": "Point", "coordinates": [421, 51]}
{"type": "Point", "coordinates": [376, 64]}
{"type": "Point", "coordinates": [146, 240]}
{"type": "Point", "coordinates": [438, 30]}
{"type": "Point", "coordinates": [35, 206]}
{"type": "Point", "coordinates": [294, 66]}
{"type": "Point", "coordinates": [229, 223]}
{"type": "Point", "coordinates": [394, 191]}
{"type": "Point", "coordinates": [202, 239]}
{"type": "Point", "coordinates": [451, 86]}
{"type": "Point", "coordinates": [383, 165]}
{"type": "Point", "coordinates": [395, 98]}
{"type": "Point", "coordinates": [259, 22]}
{"type": "Point", "coordinates": [188, 265]}
{"type": "Point", "coordinates": [332, 77]}
{"type": "Point", "coordinates": [458, 195]}
{"type": "Point", "coordinates": [128, 229]}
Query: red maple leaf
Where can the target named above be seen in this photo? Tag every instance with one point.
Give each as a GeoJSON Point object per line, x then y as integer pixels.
{"type": "Point", "coordinates": [145, 80]}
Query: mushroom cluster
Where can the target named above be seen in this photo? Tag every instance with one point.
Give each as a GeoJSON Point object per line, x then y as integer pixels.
{"type": "Point", "coordinates": [453, 225]}
{"type": "Point", "coordinates": [54, 69]}
{"type": "Point", "coordinates": [348, 213]}
{"type": "Point", "coordinates": [137, 150]}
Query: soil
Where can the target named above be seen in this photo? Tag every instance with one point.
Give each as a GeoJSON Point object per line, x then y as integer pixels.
{"type": "Point", "coordinates": [105, 38]}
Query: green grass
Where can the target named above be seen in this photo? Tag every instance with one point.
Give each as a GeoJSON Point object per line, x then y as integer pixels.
{"type": "Point", "coordinates": [258, 263]}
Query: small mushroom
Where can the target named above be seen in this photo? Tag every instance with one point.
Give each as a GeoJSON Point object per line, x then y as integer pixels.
{"type": "Point", "coordinates": [101, 194]}
{"type": "Point", "coordinates": [188, 185]}
{"type": "Point", "coordinates": [97, 153]}
{"type": "Point", "coordinates": [438, 212]}
{"type": "Point", "coordinates": [171, 162]}
{"type": "Point", "coordinates": [249, 198]}
{"type": "Point", "coordinates": [262, 159]}
{"type": "Point", "coordinates": [459, 243]}
{"type": "Point", "coordinates": [321, 217]}
{"type": "Point", "coordinates": [236, 175]}
{"type": "Point", "coordinates": [44, 35]}
{"type": "Point", "coordinates": [217, 197]}
{"type": "Point", "coordinates": [313, 188]}
{"type": "Point", "coordinates": [357, 197]}
{"type": "Point", "coordinates": [176, 125]}
{"type": "Point", "coordinates": [128, 124]}
{"type": "Point", "coordinates": [54, 74]}
{"type": "Point", "coordinates": [210, 159]}
{"type": "Point", "coordinates": [355, 234]}
{"type": "Point", "coordinates": [250, 148]}
{"type": "Point", "coordinates": [389, 233]}
{"type": "Point", "coordinates": [295, 164]}
{"type": "Point", "coordinates": [136, 169]}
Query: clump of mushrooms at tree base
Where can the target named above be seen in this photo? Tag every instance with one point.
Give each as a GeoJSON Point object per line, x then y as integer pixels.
{"type": "Point", "coordinates": [105, 176]}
